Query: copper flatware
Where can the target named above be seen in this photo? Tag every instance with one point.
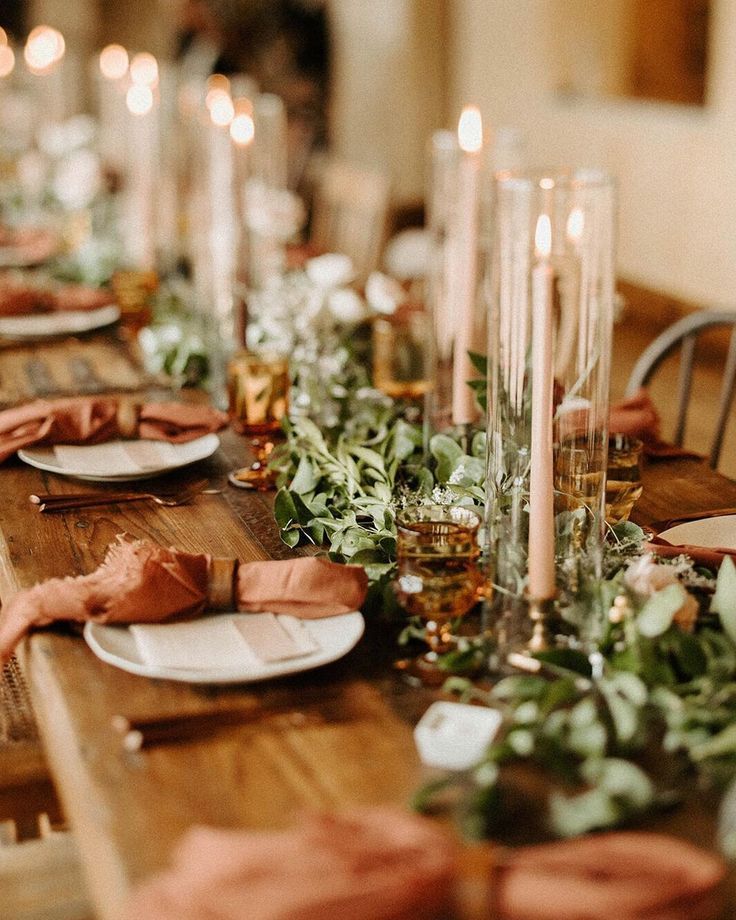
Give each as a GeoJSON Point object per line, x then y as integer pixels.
{"type": "Point", "coordinates": [136, 734]}
{"type": "Point", "coordinates": [51, 504]}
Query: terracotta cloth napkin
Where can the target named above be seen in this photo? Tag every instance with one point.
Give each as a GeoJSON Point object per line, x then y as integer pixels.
{"type": "Point", "coordinates": [29, 245]}
{"type": "Point", "coordinates": [22, 300]}
{"type": "Point", "coordinates": [139, 582]}
{"type": "Point", "coordinates": [711, 557]}
{"type": "Point", "coordinates": [92, 420]}
{"type": "Point", "coordinates": [385, 864]}
{"type": "Point", "coordinates": [637, 417]}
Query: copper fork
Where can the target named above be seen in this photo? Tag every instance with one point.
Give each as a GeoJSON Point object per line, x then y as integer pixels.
{"type": "Point", "coordinates": [50, 504]}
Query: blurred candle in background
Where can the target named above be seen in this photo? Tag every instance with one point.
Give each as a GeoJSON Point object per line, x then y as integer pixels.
{"type": "Point", "coordinates": [138, 226]}
{"type": "Point", "coordinates": [44, 53]}
{"type": "Point", "coordinates": [111, 79]}
{"type": "Point", "coordinates": [465, 261]}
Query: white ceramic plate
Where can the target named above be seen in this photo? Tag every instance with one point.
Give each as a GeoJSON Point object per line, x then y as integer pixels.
{"type": "Point", "coordinates": [58, 323]}
{"type": "Point", "coordinates": [708, 532]}
{"type": "Point", "coordinates": [336, 636]}
{"type": "Point", "coordinates": [178, 455]}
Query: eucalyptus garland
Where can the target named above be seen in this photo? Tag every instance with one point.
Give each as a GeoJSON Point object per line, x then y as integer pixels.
{"type": "Point", "coordinates": [663, 691]}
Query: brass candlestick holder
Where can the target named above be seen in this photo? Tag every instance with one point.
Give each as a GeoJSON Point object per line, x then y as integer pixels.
{"type": "Point", "coordinates": [541, 614]}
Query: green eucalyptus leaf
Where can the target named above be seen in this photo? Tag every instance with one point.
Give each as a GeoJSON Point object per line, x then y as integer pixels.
{"type": "Point", "coordinates": [659, 610]}
{"type": "Point", "coordinates": [369, 456]}
{"type": "Point", "coordinates": [284, 509]}
{"type": "Point", "coordinates": [479, 362]}
{"type": "Point", "coordinates": [572, 816]}
{"type": "Point", "coordinates": [724, 599]}
{"type": "Point", "coordinates": [305, 479]}
{"type": "Point", "coordinates": [621, 779]}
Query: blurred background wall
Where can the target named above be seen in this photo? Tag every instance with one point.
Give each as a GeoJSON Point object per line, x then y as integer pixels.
{"type": "Point", "coordinates": [552, 68]}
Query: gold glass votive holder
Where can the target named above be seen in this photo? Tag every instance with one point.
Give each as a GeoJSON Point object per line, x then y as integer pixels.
{"type": "Point", "coordinates": [258, 401]}
{"type": "Point", "coordinates": [134, 291]}
{"type": "Point", "coordinates": [623, 477]}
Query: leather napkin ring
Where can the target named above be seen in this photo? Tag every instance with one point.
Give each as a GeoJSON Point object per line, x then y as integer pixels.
{"type": "Point", "coordinates": [221, 584]}
{"type": "Point", "coordinates": [479, 870]}
{"type": "Point", "coordinates": [128, 415]}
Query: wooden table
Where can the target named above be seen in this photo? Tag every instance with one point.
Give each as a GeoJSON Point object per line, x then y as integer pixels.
{"type": "Point", "coordinates": [129, 809]}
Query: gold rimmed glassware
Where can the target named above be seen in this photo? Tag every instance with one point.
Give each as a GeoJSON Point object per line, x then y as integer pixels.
{"type": "Point", "coordinates": [438, 576]}
{"type": "Point", "coordinates": [258, 400]}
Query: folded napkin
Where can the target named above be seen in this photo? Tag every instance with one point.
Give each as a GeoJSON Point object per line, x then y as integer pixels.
{"type": "Point", "coordinates": [18, 299]}
{"type": "Point", "coordinates": [710, 556]}
{"type": "Point", "coordinates": [139, 582]}
{"type": "Point", "coordinates": [29, 245]}
{"type": "Point", "coordinates": [376, 863]}
{"type": "Point", "coordinates": [92, 420]}
{"type": "Point", "coordinates": [637, 417]}
{"type": "Point", "coordinates": [384, 864]}
{"type": "Point", "coordinates": [627, 876]}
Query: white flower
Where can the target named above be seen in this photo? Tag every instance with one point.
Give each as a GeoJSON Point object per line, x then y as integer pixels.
{"type": "Point", "coordinates": [346, 306]}
{"type": "Point", "coordinates": [77, 179]}
{"type": "Point", "coordinates": [645, 576]}
{"type": "Point", "coordinates": [331, 270]}
{"type": "Point", "coordinates": [383, 294]}
{"type": "Point", "coordinates": [272, 212]}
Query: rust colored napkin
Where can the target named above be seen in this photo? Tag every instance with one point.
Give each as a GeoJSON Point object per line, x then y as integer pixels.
{"type": "Point", "coordinates": [385, 864]}
{"type": "Point", "coordinates": [376, 863]}
{"type": "Point", "coordinates": [29, 245]}
{"type": "Point", "coordinates": [626, 876]}
{"type": "Point", "coordinates": [23, 299]}
{"type": "Point", "coordinates": [711, 557]}
{"type": "Point", "coordinates": [92, 420]}
{"type": "Point", "coordinates": [139, 582]}
{"type": "Point", "coordinates": [637, 417]}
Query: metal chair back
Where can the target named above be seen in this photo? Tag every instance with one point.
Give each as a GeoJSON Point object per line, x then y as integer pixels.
{"type": "Point", "coordinates": [683, 336]}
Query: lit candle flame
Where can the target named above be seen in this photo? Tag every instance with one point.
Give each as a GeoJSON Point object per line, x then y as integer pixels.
{"type": "Point", "coordinates": [222, 111]}
{"type": "Point", "coordinates": [43, 49]}
{"type": "Point", "coordinates": [139, 99]}
{"type": "Point", "coordinates": [113, 62]}
{"type": "Point", "coordinates": [470, 129]}
{"type": "Point", "coordinates": [242, 129]}
{"type": "Point", "coordinates": [575, 224]}
{"type": "Point", "coordinates": [543, 237]}
{"type": "Point", "coordinates": [216, 84]}
{"type": "Point", "coordinates": [7, 60]}
{"type": "Point", "coordinates": [144, 69]}
{"type": "Point", "coordinates": [3, 36]}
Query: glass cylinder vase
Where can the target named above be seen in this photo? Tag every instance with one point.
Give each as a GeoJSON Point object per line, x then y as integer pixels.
{"type": "Point", "coordinates": [550, 321]}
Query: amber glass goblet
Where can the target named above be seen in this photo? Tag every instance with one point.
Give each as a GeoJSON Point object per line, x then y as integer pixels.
{"type": "Point", "coordinates": [438, 576]}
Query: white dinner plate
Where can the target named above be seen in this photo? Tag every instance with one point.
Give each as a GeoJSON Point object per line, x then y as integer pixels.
{"type": "Point", "coordinates": [172, 456]}
{"type": "Point", "coordinates": [335, 637]}
{"type": "Point", "coordinates": [58, 323]}
{"type": "Point", "coordinates": [707, 532]}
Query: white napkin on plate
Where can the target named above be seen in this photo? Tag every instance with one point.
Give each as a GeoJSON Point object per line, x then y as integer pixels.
{"type": "Point", "coordinates": [224, 642]}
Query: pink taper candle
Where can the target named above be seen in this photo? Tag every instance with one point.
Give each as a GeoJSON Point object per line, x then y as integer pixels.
{"type": "Point", "coordinates": [470, 139]}
{"type": "Point", "coordinates": [541, 483]}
